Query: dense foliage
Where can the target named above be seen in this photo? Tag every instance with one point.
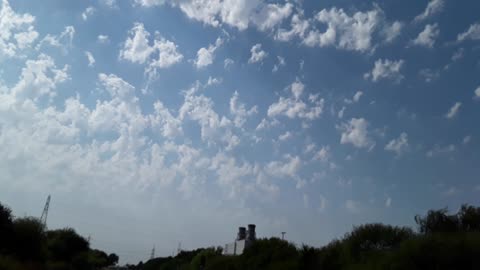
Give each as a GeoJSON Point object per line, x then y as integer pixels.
{"type": "Point", "coordinates": [444, 241]}
{"type": "Point", "coordinates": [26, 244]}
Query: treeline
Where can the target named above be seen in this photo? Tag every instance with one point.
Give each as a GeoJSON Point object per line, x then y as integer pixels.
{"type": "Point", "coordinates": [25, 244]}
{"type": "Point", "coordinates": [442, 241]}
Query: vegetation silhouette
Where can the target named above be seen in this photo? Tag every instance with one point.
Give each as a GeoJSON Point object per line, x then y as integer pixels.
{"type": "Point", "coordinates": [25, 244]}
{"type": "Point", "coordinates": [442, 241]}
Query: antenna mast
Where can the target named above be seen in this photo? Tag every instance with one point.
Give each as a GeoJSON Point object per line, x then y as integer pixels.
{"type": "Point", "coordinates": [43, 218]}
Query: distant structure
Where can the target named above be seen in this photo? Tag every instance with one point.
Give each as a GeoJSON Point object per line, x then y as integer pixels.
{"type": "Point", "coordinates": [283, 235]}
{"type": "Point", "coordinates": [244, 239]}
{"type": "Point", "coordinates": [43, 218]}
{"type": "Point", "coordinates": [152, 254]}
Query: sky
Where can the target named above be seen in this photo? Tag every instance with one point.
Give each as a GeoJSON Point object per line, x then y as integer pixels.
{"type": "Point", "coordinates": [154, 123]}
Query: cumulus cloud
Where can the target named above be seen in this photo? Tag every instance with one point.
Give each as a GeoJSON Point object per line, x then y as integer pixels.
{"type": "Point", "coordinates": [137, 49]}
{"type": "Point", "coordinates": [294, 107]}
{"type": "Point", "coordinates": [454, 110]}
{"type": "Point", "coordinates": [399, 145]}
{"type": "Point", "coordinates": [90, 58]}
{"type": "Point", "coordinates": [472, 33]}
{"type": "Point", "coordinates": [427, 37]}
{"type": "Point", "coordinates": [205, 56]}
{"type": "Point", "coordinates": [356, 97]}
{"type": "Point", "coordinates": [271, 15]}
{"type": "Point", "coordinates": [386, 69]}
{"type": "Point", "coordinates": [17, 31]}
{"type": "Point", "coordinates": [355, 132]}
{"type": "Point", "coordinates": [392, 31]}
{"type": "Point", "coordinates": [354, 32]}
{"type": "Point", "coordinates": [257, 54]}
{"type": "Point", "coordinates": [239, 14]}
{"type": "Point", "coordinates": [323, 154]}
{"type": "Point", "coordinates": [89, 11]}
{"type": "Point", "coordinates": [239, 111]}
{"type": "Point", "coordinates": [388, 202]}
{"type": "Point", "coordinates": [298, 27]}
{"type": "Point", "coordinates": [434, 7]}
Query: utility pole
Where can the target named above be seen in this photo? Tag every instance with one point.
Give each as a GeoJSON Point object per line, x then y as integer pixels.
{"type": "Point", "coordinates": [43, 218]}
{"type": "Point", "coordinates": [283, 235]}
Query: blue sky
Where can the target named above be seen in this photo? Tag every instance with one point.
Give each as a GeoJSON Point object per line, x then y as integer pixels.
{"type": "Point", "coordinates": [154, 122]}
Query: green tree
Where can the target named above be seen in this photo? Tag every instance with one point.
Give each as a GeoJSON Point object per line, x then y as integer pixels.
{"type": "Point", "coordinates": [6, 229]}
{"type": "Point", "coordinates": [437, 221]}
{"type": "Point", "coordinates": [29, 242]}
{"type": "Point", "coordinates": [469, 218]}
{"type": "Point", "coordinates": [65, 244]}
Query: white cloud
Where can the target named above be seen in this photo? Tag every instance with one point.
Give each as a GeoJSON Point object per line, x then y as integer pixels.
{"type": "Point", "coordinates": [323, 203]}
{"type": "Point", "coordinates": [458, 54]}
{"type": "Point", "coordinates": [356, 97]}
{"type": "Point", "coordinates": [90, 58]}
{"type": "Point", "coordinates": [452, 113]}
{"type": "Point", "coordinates": [63, 41]}
{"type": "Point", "coordinates": [467, 139]}
{"type": "Point", "coordinates": [323, 154]}
{"type": "Point", "coordinates": [235, 13]}
{"type": "Point", "coordinates": [388, 202]}
{"type": "Point", "coordinates": [285, 136]}
{"type": "Point", "coordinates": [399, 145]}
{"type": "Point", "coordinates": [391, 32]}
{"type": "Point", "coordinates": [239, 112]}
{"type": "Point", "coordinates": [295, 107]}
{"type": "Point", "coordinates": [429, 75]}
{"type": "Point", "coordinates": [472, 33]}
{"type": "Point", "coordinates": [477, 92]}
{"type": "Point", "coordinates": [386, 69]}
{"type": "Point", "coordinates": [257, 54]}
{"type": "Point", "coordinates": [271, 15]}
{"type": "Point", "coordinates": [341, 112]}
{"type": "Point", "coordinates": [355, 32]}
{"type": "Point", "coordinates": [227, 63]}
{"type": "Point", "coordinates": [287, 168]}
{"type": "Point", "coordinates": [137, 49]}
{"type": "Point", "coordinates": [352, 206]}
{"type": "Point", "coordinates": [165, 122]}
{"type": "Point", "coordinates": [205, 56]}
{"type": "Point", "coordinates": [355, 132]}
{"type": "Point", "coordinates": [109, 3]}
{"type": "Point", "coordinates": [103, 39]}
{"type": "Point", "coordinates": [281, 63]}
{"type": "Point", "coordinates": [213, 81]}
{"type": "Point", "coordinates": [438, 150]}
{"type": "Point", "coordinates": [427, 37]}
{"type": "Point", "coordinates": [433, 7]}
{"type": "Point", "coordinates": [298, 28]}
{"type": "Point", "coordinates": [168, 56]}
{"type": "Point", "coordinates": [89, 11]}
{"type": "Point", "coordinates": [39, 78]}
{"type": "Point", "coordinates": [17, 31]}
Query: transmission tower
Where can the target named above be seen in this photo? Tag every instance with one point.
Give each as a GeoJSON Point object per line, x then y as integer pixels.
{"type": "Point", "coordinates": [283, 235]}
{"type": "Point", "coordinates": [179, 248]}
{"type": "Point", "coordinates": [152, 255]}
{"type": "Point", "coordinates": [43, 218]}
